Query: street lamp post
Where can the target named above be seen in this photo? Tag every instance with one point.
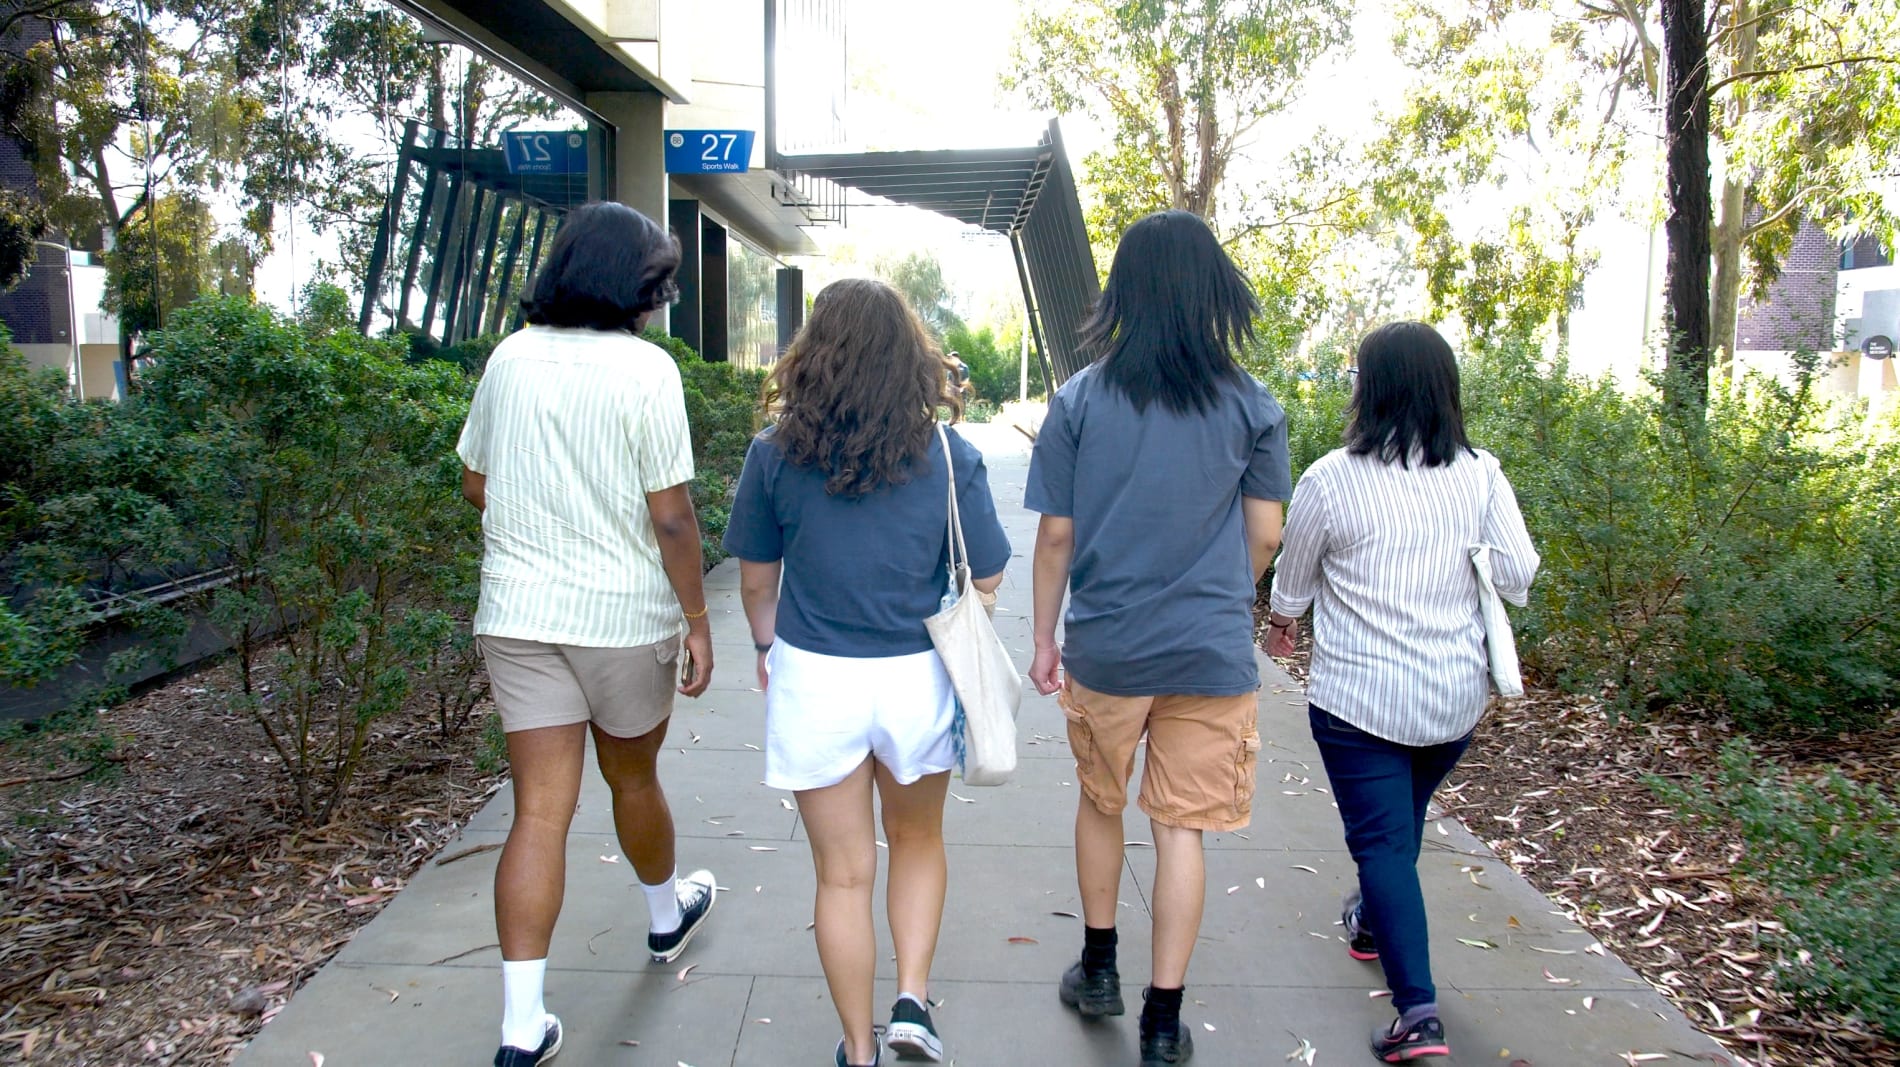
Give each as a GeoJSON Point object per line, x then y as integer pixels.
{"type": "Point", "coordinates": [75, 367]}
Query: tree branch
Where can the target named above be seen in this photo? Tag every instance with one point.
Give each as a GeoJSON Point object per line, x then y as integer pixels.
{"type": "Point", "coordinates": [1779, 213]}
{"type": "Point", "coordinates": [1751, 75]}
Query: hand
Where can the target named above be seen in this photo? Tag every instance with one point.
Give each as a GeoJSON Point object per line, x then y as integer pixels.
{"type": "Point", "coordinates": [1044, 671]}
{"type": "Point", "coordinates": [1280, 639]}
{"type": "Point", "coordinates": [765, 674]}
{"type": "Point", "coordinates": [699, 647]}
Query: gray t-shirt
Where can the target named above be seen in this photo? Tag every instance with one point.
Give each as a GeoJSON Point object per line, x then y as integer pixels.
{"type": "Point", "coordinates": [1160, 587]}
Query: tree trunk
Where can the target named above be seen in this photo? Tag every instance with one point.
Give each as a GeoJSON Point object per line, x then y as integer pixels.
{"type": "Point", "coordinates": [1686, 135]}
{"type": "Point", "coordinates": [1731, 226]}
{"type": "Point", "coordinates": [1726, 297]}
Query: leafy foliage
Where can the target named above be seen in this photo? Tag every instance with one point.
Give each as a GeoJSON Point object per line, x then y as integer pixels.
{"type": "Point", "coordinates": [319, 467]}
{"type": "Point", "coordinates": [22, 222]}
{"type": "Point", "coordinates": [1749, 565]}
{"type": "Point", "coordinates": [1829, 849]}
{"type": "Point", "coordinates": [995, 370]}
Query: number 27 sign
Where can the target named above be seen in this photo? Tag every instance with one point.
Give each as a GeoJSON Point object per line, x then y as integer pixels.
{"type": "Point", "coordinates": [708, 151]}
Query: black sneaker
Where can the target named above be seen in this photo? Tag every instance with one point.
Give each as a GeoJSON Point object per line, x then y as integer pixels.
{"type": "Point", "coordinates": [877, 1049]}
{"type": "Point", "coordinates": [510, 1056]}
{"type": "Point", "coordinates": [1092, 993]}
{"type": "Point", "coordinates": [1360, 944]}
{"type": "Point", "coordinates": [696, 893]}
{"type": "Point", "coordinates": [1162, 1047]}
{"type": "Point", "coordinates": [911, 1034]}
{"type": "Point", "coordinates": [1393, 1045]}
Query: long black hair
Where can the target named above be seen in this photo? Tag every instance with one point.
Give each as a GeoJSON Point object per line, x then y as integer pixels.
{"type": "Point", "coordinates": [608, 266]}
{"type": "Point", "coordinates": [1174, 310]}
{"type": "Point", "coordinates": [1406, 402]}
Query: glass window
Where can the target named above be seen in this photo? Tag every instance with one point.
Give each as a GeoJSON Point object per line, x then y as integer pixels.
{"type": "Point", "coordinates": [751, 305]}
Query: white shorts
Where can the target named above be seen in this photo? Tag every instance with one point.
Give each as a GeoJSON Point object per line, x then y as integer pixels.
{"type": "Point", "coordinates": [824, 714]}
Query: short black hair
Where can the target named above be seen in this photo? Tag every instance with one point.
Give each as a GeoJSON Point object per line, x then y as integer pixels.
{"type": "Point", "coordinates": [608, 266]}
{"type": "Point", "coordinates": [1173, 311]}
{"type": "Point", "coordinates": [1406, 401]}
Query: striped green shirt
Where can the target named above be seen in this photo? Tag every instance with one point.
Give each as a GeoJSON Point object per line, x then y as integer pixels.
{"type": "Point", "coordinates": [572, 429]}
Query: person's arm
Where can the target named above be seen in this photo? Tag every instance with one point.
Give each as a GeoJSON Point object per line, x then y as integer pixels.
{"type": "Point", "coordinates": [758, 591]}
{"type": "Point", "coordinates": [1055, 548]}
{"type": "Point", "coordinates": [677, 530]}
{"type": "Point", "coordinates": [1262, 519]}
{"type": "Point", "coordinates": [475, 489]}
{"type": "Point", "coordinates": [1514, 559]}
{"type": "Point", "coordinates": [1296, 573]}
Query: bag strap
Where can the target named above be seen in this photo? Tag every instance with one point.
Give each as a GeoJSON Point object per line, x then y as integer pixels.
{"type": "Point", "coordinates": [954, 531]}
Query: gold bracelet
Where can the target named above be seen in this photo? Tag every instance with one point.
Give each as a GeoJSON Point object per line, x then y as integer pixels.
{"type": "Point", "coordinates": [700, 614]}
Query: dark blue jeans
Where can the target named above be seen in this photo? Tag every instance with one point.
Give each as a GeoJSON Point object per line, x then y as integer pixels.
{"type": "Point", "coordinates": [1383, 789]}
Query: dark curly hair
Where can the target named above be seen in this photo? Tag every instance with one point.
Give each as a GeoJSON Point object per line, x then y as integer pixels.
{"type": "Point", "coordinates": [856, 395]}
{"type": "Point", "coordinates": [609, 265]}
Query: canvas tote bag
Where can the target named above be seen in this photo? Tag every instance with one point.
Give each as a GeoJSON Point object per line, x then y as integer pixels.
{"type": "Point", "coordinates": [987, 685]}
{"type": "Point", "coordinates": [1499, 643]}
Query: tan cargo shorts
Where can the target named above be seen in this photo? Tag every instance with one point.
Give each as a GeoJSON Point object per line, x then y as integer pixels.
{"type": "Point", "coordinates": [627, 692]}
{"type": "Point", "coordinates": [1202, 754]}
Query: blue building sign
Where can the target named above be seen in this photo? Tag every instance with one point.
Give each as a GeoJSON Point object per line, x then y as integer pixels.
{"type": "Point", "coordinates": [708, 151]}
{"type": "Point", "coordinates": [546, 152]}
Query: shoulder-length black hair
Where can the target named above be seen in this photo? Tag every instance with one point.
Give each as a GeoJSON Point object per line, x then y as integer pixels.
{"type": "Point", "coordinates": [1174, 310]}
{"type": "Point", "coordinates": [609, 265]}
{"type": "Point", "coordinates": [1406, 403]}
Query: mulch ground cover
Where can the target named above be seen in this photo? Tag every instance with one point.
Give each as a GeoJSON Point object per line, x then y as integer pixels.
{"type": "Point", "coordinates": [160, 908]}
{"type": "Point", "coordinates": [1560, 790]}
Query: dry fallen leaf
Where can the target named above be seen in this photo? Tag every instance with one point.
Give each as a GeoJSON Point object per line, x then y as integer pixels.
{"type": "Point", "coordinates": [762, 848]}
{"type": "Point", "coordinates": [1261, 882]}
{"type": "Point", "coordinates": [1304, 867]}
{"type": "Point", "coordinates": [786, 803]}
{"type": "Point", "coordinates": [1304, 1053]}
{"type": "Point", "coordinates": [1024, 941]}
{"type": "Point", "coordinates": [1232, 889]}
{"type": "Point", "coordinates": [686, 970]}
{"type": "Point", "coordinates": [1210, 1027]}
{"type": "Point", "coordinates": [965, 800]}
{"type": "Point", "coordinates": [1476, 942]}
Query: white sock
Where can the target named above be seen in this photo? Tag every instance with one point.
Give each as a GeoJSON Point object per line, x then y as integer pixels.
{"type": "Point", "coordinates": [663, 905]}
{"type": "Point", "coordinates": [523, 1015]}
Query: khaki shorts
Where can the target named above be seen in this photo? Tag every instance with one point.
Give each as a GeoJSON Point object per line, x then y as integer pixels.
{"type": "Point", "coordinates": [1202, 752]}
{"type": "Point", "coordinates": [627, 692]}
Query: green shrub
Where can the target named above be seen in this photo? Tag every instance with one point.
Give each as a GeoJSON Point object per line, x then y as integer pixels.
{"type": "Point", "coordinates": [320, 467]}
{"type": "Point", "coordinates": [980, 410]}
{"type": "Point", "coordinates": [1829, 851]}
{"type": "Point", "coordinates": [995, 369]}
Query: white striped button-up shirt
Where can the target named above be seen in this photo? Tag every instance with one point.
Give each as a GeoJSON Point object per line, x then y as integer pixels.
{"type": "Point", "coordinates": [573, 428]}
{"type": "Point", "coordinates": [1381, 553]}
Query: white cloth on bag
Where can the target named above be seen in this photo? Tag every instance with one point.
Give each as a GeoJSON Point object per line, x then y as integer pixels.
{"type": "Point", "coordinates": [824, 714]}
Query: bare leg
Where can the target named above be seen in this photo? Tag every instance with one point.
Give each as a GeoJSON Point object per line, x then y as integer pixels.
{"type": "Point", "coordinates": [641, 817]}
{"type": "Point", "coordinates": [532, 875]}
{"type": "Point", "coordinates": [844, 851]}
{"type": "Point", "coordinates": [1180, 894]}
{"type": "Point", "coordinates": [913, 827]}
{"type": "Point", "coordinates": [1098, 861]}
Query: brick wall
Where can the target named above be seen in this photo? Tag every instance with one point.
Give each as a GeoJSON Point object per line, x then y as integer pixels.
{"type": "Point", "coordinates": [35, 311]}
{"type": "Point", "coordinates": [1799, 310]}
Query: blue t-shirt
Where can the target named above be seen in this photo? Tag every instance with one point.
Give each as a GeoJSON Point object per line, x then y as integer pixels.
{"type": "Point", "coordinates": [861, 575]}
{"type": "Point", "coordinates": [1160, 587]}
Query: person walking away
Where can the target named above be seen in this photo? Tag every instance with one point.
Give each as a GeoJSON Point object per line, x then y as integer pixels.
{"type": "Point", "coordinates": [840, 524]}
{"type": "Point", "coordinates": [1378, 543]}
{"type": "Point", "coordinates": [577, 454]}
{"type": "Point", "coordinates": [1159, 473]}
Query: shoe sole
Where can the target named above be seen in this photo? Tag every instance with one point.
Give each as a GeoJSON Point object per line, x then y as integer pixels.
{"type": "Point", "coordinates": [1093, 1009]}
{"type": "Point", "coordinates": [1362, 957]}
{"type": "Point", "coordinates": [678, 950]}
{"type": "Point", "coordinates": [560, 1034]}
{"type": "Point", "coordinates": [1420, 1052]}
{"type": "Point", "coordinates": [912, 1042]}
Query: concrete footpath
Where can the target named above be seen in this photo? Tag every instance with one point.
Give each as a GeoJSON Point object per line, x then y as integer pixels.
{"type": "Point", "coordinates": [421, 984]}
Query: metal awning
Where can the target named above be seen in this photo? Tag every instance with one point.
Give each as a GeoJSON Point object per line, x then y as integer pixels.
{"type": "Point", "coordinates": [1027, 193]}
